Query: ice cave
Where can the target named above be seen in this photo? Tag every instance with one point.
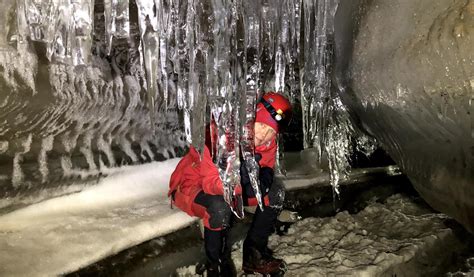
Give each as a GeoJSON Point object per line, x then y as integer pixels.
{"type": "Point", "coordinates": [100, 99]}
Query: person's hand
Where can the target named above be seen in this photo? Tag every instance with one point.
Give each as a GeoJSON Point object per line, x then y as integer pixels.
{"type": "Point", "coordinates": [222, 163]}
{"type": "Point", "coordinates": [266, 179]}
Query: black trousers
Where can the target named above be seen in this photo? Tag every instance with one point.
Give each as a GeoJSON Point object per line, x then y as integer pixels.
{"type": "Point", "coordinates": [216, 243]}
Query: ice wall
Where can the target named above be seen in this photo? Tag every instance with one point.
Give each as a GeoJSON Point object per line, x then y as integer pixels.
{"type": "Point", "coordinates": [73, 97]}
{"type": "Point", "coordinates": [406, 69]}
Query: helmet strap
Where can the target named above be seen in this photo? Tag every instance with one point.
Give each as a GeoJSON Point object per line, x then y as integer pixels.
{"type": "Point", "coordinates": [275, 115]}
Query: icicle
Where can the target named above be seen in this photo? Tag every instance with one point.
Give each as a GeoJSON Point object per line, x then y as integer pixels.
{"type": "Point", "coordinates": [282, 45]}
{"type": "Point", "coordinates": [150, 48]}
{"type": "Point", "coordinates": [223, 98]}
{"type": "Point", "coordinates": [326, 123]}
{"type": "Point", "coordinates": [117, 21]}
{"type": "Point", "coordinates": [191, 84]}
{"type": "Point", "coordinates": [22, 24]}
{"type": "Point", "coordinates": [57, 49]}
{"type": "Point", "coordinates": [184, 97]}
{"type": "Point", "coordinates": [110, 13]}
{"type": "Point", "coordinates": [253, 67]}
{"type": "Point", "coordinates": [293, 48]}
{"type": "Point", "coordinates": [150, 58]}
{"type": "Point", "coordinates": [8, 27]}
{"type": "Point", "coordinates": [40, 17]}
{"type": "Point", "coordinates": [81, 31]}
{"type": "Point", "coordinates": [164, 31]}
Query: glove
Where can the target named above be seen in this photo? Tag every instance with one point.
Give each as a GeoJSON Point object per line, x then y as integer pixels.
{"type": "Point", "coordinates": [222, 163]}
{"type": "Point", "coordinates": [266, 179]}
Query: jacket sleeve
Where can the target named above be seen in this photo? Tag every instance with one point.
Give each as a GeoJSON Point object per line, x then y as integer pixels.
{"type": "Point", "coordinates": [211, 181]}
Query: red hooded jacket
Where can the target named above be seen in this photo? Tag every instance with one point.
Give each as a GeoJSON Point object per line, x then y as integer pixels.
{"type": "Point", "coordinates": [193, 174]}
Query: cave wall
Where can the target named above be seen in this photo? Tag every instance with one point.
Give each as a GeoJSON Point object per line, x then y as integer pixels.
{"type": "Point", "coordinates": [406, 70]}
{"type": "Point", "coordinates": [61, 123]}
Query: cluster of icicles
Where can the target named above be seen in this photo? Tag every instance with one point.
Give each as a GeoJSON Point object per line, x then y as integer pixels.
{"type": "Point", "coordinates": [217, 57]}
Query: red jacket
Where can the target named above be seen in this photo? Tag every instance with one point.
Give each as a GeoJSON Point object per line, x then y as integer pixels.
{"type": "Point", "coordinates": [193, 174]}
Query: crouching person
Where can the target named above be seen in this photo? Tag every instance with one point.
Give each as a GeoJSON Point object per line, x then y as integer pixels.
{"type": "Point", "coordinates": [196, 188]}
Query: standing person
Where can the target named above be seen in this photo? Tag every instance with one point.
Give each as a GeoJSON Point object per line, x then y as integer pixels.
{"type": "Point", "coordinates": [196, 188]}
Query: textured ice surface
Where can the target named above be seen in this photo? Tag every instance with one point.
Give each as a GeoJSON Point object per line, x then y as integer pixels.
{"type": "Point", "coordinates": [381, 239]}
{"type": "Point", "coordinates": [411, 87]}
{"type": "Point", "coordinates": [63, 234]}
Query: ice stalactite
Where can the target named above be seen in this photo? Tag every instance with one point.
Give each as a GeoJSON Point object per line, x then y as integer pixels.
{"type": "Point", "coordinates": [150, 52]}
{"type": "Point", "coordinates": [66, 26]}
{"type": "Point", "coordinates": [199, 59]}
{"type": "Point", "coordinates": [183, 23]}
{"type": "Point", "coordinates": [39, 16]}
{"type": "Point", "coordinates": [326, 123]}
{"type": "Point", "coordinates": [252, 70]}
{"type": "Point", "coordinates": [7, 25]}
{"type": "Point", "coordinates": [165, 30]}
{"type": "Point", "coordinates": [281, 45]}
{"type": "Point", "coordinates": [117, 21]}
{"type": "Point", "coordinates": [21, 34]}
{"type": "Point", "coordinates": [224, 96]}
{"type": "Point", "coordinates": [59, 49]}
{"type": "Point", "coordinates": [81, 48]}
{"type": "Point", "coordinates": [287, 43]}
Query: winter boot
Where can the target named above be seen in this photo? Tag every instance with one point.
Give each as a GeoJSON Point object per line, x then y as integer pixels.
{"type": "Point", "coordinates": [256, 255]}
{"type": "Point", "coordinates": [218, 253]}
{"type": "Point", "coordinates": [257, 261]}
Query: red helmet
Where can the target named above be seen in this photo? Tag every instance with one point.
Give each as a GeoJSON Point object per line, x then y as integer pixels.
{"type": "Point", "coordinates": [274, 110]}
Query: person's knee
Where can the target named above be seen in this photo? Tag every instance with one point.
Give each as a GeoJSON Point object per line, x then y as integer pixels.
{"type": "Point", "coordinates": [219, 213]}
{"type": "Point", "coordinates": [276, 194]}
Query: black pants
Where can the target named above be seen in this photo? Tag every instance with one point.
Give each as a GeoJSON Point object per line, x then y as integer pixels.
{"type": "Point", "coordinates": [217, 243]}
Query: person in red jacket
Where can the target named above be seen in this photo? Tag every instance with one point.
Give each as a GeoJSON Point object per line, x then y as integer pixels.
{"type": "Point", "coordinates": [196, 188]}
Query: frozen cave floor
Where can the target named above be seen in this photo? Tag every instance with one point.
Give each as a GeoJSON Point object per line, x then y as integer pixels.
{"type": "Point", "coordinates": [123, 226]}
{"type": "Point", "coordinates": [382, 229]}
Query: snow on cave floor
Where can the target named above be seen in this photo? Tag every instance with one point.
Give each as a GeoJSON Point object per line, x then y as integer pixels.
{"type": "Point", "coordinates": [395, 238]}
{"type": "Point", "coordinates": [397, 235]}
{"type": "Point", "coordinates": [130, 207]}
